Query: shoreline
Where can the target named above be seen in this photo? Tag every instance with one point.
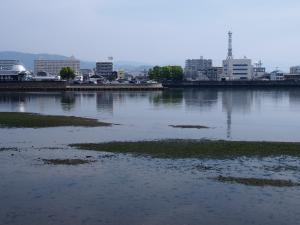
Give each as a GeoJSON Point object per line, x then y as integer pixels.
{"type": "Point", "coordinates": [63, 86]}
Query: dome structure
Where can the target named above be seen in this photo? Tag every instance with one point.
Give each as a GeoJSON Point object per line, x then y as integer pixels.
{"type": "Point", "coordinates": [11, 70]}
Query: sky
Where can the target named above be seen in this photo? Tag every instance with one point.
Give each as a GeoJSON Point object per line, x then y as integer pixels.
{"type": "Point", "coordinates": [154, 31]}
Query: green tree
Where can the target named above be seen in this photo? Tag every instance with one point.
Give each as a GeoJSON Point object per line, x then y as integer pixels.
{"type": "Point", "coordinates": [67, 73]}
{"type": "Point", "coordinates": [166, 72]}
{"type": "Point", "coordinates": [176, 72]}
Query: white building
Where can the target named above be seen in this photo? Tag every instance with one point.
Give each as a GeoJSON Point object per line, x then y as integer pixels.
{"type": "Point", "coordinates": [277, 75]}
{"type": "Point", "coordinates": [236, 69]}
{"type": "Point", "coordinates": [12, 70]}
{"type": "Point", "coordinates": [259, 71]}
{"type": "Point", "coordinates": [54, 67]}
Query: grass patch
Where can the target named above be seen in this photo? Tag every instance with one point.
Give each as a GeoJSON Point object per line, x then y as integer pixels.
{"type": "Point", "coordinates": [189, 126]}
{"type": "Point", "coordinates": [8, 149]}
{"type": "Point", "coordinates": [196, 149]}
{"type": "Point", "coordinates": [67, 162]}
{"type": "Point", "coordinates": [33, 120]}
{"type": "Point", "coordinates": [257, 182]}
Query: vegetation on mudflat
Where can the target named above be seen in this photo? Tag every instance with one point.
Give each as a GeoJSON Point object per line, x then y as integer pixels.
{"type": "Point", "coordinates": [196, 149]}
{"type": "Point", "coordinates": [8, 149]}
{"type": "Point", "coordinates": [189, 126]}
{"type": "Point", "coordinates": [67, 162]}
{"type": "Point", "coordinates": [257, 181]}
{"type": "Point", "coordinates": [33, 120]}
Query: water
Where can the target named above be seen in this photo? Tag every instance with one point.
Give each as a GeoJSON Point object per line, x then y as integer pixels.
{"type": "Point", "coordinates": [122, 189]}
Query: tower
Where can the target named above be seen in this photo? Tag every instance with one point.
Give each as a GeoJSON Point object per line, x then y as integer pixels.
{"type": "Point", "coordinates": [229, 56]}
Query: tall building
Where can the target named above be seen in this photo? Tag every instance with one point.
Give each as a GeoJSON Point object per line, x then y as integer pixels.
{"type": "Point", "coordinates": [236, 69]}
{"type": "Point", "coordinates": [195, 69]}
{"type": "Point", "coordinates": [54, 67]}
{"type": "Point", "coordinates": [104, 69]}
{"type": "Point", "coordinates": [12, 70]}
{"type": "Point", "coordinates": [295, 70]}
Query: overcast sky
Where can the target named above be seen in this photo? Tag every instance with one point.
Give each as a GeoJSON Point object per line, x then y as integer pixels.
{"type": "Point", "coordinates": [154, 31]}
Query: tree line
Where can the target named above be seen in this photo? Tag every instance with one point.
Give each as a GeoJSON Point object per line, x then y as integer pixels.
{"type": "Point", "coordinates": [166, 73]}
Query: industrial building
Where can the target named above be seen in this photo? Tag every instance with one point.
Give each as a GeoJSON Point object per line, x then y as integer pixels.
{"type": "Point", "coordinates": [12, 70]}
{"type": "Point", "coordinates": [236, 69]}
{"type": "Point", "coordinates": [54, 67]}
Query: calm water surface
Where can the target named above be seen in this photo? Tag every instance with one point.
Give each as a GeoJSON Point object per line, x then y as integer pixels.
{"type": "Point", "coordinates": [237, 115]}
{"type": "Point", "coordinates": [121, 189]}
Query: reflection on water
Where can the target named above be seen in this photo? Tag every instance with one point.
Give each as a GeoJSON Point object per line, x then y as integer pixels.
{"type": "Point", "coordinates": [167, 98]}
{"type": "Point", "coordinates": [234, 114]}
{"type": "Point", "coordinates": [127, 190]}
{"type": "Point", "coordinates": [68, 101]}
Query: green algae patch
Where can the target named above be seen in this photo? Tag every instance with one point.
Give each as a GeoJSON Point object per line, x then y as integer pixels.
{"type": "Point", "coordinates": [196, 149]}
{"type": "Point", "coordinates": [257, 182]}
{"type": "Point", "coordinates": [33, 120]}
{"type": "Point", "coordinates": [67, 162]}
{"type": "Point", "coordinates": [189, 126]}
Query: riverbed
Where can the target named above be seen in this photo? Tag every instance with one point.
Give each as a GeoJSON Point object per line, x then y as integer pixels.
{"type": "Point", "coordinates": [125, 189]}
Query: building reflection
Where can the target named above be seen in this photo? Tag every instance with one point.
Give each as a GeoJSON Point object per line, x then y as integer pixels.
{"type": "Point", "coordinates": [203, 99]}
{"type": "Point", "coordinates": [15, 101]}
{"type": "Point", "coordinates": [235, 101]}
{"type": "Point", "coordinates": [294, 98]}
{"type": "Point", "coordinates": [105, 102]}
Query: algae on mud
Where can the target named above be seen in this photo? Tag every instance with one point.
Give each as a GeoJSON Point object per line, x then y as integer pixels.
{"type": "Point", "coordinates": [33, 120]}
{"type": "Point", "coordinates": [196, 149]}
{"type": "Point", "coordinates": [257, 181]}
{"type": "Point", "coordinates": [67, 162]}
{"type": "Point", "coordinates": [189, 126]}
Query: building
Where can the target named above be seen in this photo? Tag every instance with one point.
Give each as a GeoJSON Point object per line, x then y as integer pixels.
{"type": "Point", "coordinates": [214, 73]}
{"type": "Point", "coordinates": [195, 68]}
{"type": "Point", "coordinates": [236, 69]}
{"type": "Point", "coordinates": [12, 70]}
{"type": "Point", "coordinates": [295, 70]}
{"type": "Point", "coordinates": [54, 67]}
{"type": "Point", "coordinates": [259, 71]}
{"type": "Point", "coordinates": [104, 69]}
{"type": "Point", "coordinates": [295, 77]}
{"type": "Point", "coordinates": [121, 75]}
{"type": "Point", "coordinates": [86, 74]}
{"type": "Point", "coordinates": [277, 75]}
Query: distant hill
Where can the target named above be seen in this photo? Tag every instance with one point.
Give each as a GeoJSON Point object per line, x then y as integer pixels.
{"type": "Point", "coordinates": [28, 60]}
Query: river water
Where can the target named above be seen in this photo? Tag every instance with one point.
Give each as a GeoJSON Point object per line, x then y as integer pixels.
{"type": "Point", "coordinates": [122, 189]}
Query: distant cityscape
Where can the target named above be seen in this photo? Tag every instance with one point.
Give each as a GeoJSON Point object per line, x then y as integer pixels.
{"type": "Point", "coordinates": [201, 69]}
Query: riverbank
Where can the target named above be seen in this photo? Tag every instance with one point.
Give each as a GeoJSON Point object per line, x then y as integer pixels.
{"type": "Point", "coordinates": [64, 86]}
{"type": "Point", "coordinates": [233, 84]}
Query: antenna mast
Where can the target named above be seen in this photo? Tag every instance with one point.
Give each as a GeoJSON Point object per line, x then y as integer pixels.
{"type": "Point", "coordinates": [229, 56]}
